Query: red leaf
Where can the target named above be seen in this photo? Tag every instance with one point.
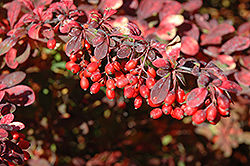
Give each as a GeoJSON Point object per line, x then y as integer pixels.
{"type": "Point", "coordinates": [124, 52]}
{"type": "Point", "coordinates": [173, 48]}
{"type": "Point", "coordinates": [166, 32]}
{"type": "Point", "coordinates": [7, 108]}
{"type": "Point", "coordinates": [244, 29]}
{"type": "Point", "coordinates": [21, 95]}
{"type": "Point", "coordinates": [108, 12]}
{"type": "Point", "coordinates": [14, 9]}
{"type": "Point", "coordinates": [237, 43]}
{"type": "Point", "coordinates": [7, 44]}
{"type": "Point", "coordinates": [73, 45]}
{"type": "Point", "coordinates": [28, 4]}
{"type": "Point", "coordinates": [230, 86]}
{"type": "Point", "coordinates": [161, 63]}
{"type": "Point", "coordinates": [170, 7]}
{"type": "Point", "coordinates": [243, 77]}
{"type": "Point", "coordinates": [66, 26]}
{"type": "Point", "coordinates": [245, 61]}
{"type": "Point", "coordinates": [160, 90]}
{"type": "Point", "coordinates": [189, 29]}
{"type": "Point", "coordinates": [189, 46]}
{"type": "Point", "coordinates": [101, 51]}
{"type": "Point", "coordinates": [6, 127]}
{"type": "Point", "coordinates": [228, 60]}
{"type": "Point", "coordinates": [10, 58]}
{"type": "Point", "coordinates": [196, 97]}
{"type": "Point", "coordinates": [215, 36]}
{"type": "Point", "coordinates": [3, 133]}
{"type": "Point", "coordinates": [17, 125]}
{"type": "Point", "coordinates": [13, 78]}
{"type": "Point", "coordinates": [42, 3]}
{"type": "Point", "coordinates": [111, 4]}
{"type": "Point", "coordinates": [34, 31]}
{"type": "Point", "coordinates": [25, 55]}
{"type": "Point", "coordinates": [192, 5]}
{"type": "Point", "coordinates": [148, 8]}
{"type": "Point", "coordinates": [6, 119]}
{"type": "Point", "coordinates": [202, 22]}
{"type": "Point", "coordinates": [2, 93]}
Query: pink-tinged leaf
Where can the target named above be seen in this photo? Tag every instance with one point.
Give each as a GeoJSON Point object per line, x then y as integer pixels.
{"type": "Point", "coordinates": [228, 60]}
{"type": "Point", "coordinates": [245, 61]}
{"type": "Point", "coordinates": [173, 48]}
{"type": "Point", "coordinates": [7, 108]}
{"type": "Point", "coordinates": [101, 51]}
{"type": "Point", "coordinates": [98, 40]}
{"type": "Point", "coordinates": [189, 29]}
{"type": "Point", "coordinates": [167, 32]}
{"type": "Point", "coordinates": [3, 134]}
{"type": "Point", "coordinates": [202, 22]}
{"type": "Point", "coordinates": [13, 78]}
{"type": "Point", "coordinates": [215, 35]}
{"type": "Point", "coordinates": [6, 119]}
{"type": "Point", "coordinates": [111, 4]}
{"type": "Point", "coordinates": [230, 86]}
{"type": "Point", "coordinates": [24, 55]}
{"type": "Point", "coordinates": [189, 46]}
{"type": "Point", "coordinates": [17, 125]}
{"type": "Point", "coordinates": [148, 8]}
{"type": "Point", "coordinates": [174, 19]}
{"type": "Point", "coordinates": [6, 127]}
{"type": "Point", "coordinates": [26, 18]}
{"type": "Point", "coordinates": [10, 58]}
{"type": "Point", "coordinates": [74, 44]}
{"type": "Point", "coordinates": [244, 29]}
{"type": "Point", "coordinates": [17, 32]}
{"type": "Point", "coordinates": [42, 3]}
{"type": "Point", "coordinates": [20, 95]}
{"type": "Point", "coordinates": [2, 93]}
{"type": "Point", "coordinates": [161, 63]}
{"type": "Point", "coordinates": [237, 43]}
{"type": "Point", "coordinates": [66, 26]}
{"type": "Point", "coordinates": [7, 44]}
{"type": "Point", "coordinates": [34, 31]}
{"type": "Point", "coordinates": [170, 7]}
{"type": "Point", "coordinates": [243, 77]}
{"type": "Point", "coordinates": [14, 9]}
{"type": "Point", "coordinates": [108, 12]}
{"type": "Point", "coordinates": [28, 4]}
{"type": "Point", "coordinates": [48, 33]}
{"type": "Point", "coordinates": [196, 97]}
{"type": "Point", "coordinates": [160, 90]}
{"type": "Point", "coordinates": [124, 52]}
{"type": "Point", "coordinates": [192, 5]}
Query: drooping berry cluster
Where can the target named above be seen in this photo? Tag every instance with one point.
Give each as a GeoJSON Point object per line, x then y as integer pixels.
{"type": "Point", "coordinates": [121, 58]}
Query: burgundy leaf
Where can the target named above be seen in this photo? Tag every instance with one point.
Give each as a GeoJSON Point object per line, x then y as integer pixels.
{"type": "Point", "coordinates": [237, 43]}
{"type": "Point", "coordinates": [161, 63]}
{"type": "Point", "coordinates": [160, 90]}
{"type": "Point", "coordinates": [101, 51]}
{"type": "Point", "coordinates": [170, 7]}
{"type": "Point", "coordinates": [3, 134]}
{"type": "Point", "coordinates": [244, 29]}
{"type": "Point", "coordinates": [189, 46]}
{"type": "Point", "coordinates": [160, 72]}
{"type": "Point", "coordinates": [13, 146]}
{"type": "Point", "coordinates": [25, 55]}
{"type": "Point", "coordinates": [6, 119]}
{"type": "Point", "coordinates": [7, 44]}
{"type": "Point", "coordinates": [17, 32]}
{"type": "Point", "coordinates": [90, 35]}
{"type": "Point", "coordinates": [151, 55]}
{"type": "Point", "coordinates": [42, 3]}
{"type": "Point", "coordinates": [73, 45]}
{"type": "Point", "coordinates": [17, 125]}
{"type": "Point", "coordinates": [243, 77]}
{"type": "Point", "coordinates": [14, 9]}
{"type": "Point", "coordinates": [13, 78]}
{"type": "Point", "coordinates": [215, 35]}
{"type": "Point", "coordinates": [108, 12]}
{"type": "Point", "coordinates": [98, 40]}
{"type": "Point", "coordinates": [7, 108]}
{"type": "Point", "coordinates": [124, 52]}
{"type": "Point", "coordinates": [48, 33]}
{"type": "Point", "coordinates": [10, 58]}
{"type": "Point", "coordinates": [192, 5]}
{"type": "Point", "coordinates": [148, 7]}
{"type": "Point", "coordinates": [66, 26]}
{"type": "Point", "coordinates": [230, 86]}
{"type": "Point", "coordinates": [196, 97]}
{"type": "Point", "coordinates": [6, 127]}
{"type": "Point", "coordinates": [28, 4]}
{"type": "Point", "coordinates": [189, 29]}
{"type": "Point", "coordinates": [34, 31]}
{"type": "Point", "coordinates": [21, 95]}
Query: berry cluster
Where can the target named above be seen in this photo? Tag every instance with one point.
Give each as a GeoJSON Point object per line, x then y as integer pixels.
{"type": "Point", "coordinates": [121, 58]}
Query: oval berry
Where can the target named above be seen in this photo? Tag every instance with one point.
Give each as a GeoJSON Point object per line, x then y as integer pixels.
{"type": "Point", "coordinates": [95, 87]}
{"type": "Point", "coordinates": [199, 117]}
{"type": "Point", "coordinates": [150, 82]}
{"type": "Point", "coordinates": [223, 112]}
{"type": "Point", "coordinates": [178, 113]}
{"type": "Point", "coordinates": [109, 69]}
{"type": "Point", "coordinates": [129, 92]}
{"type": "Point", "coordinates": [26, 155]}
{"type": "Point", "coordinates": [138, 102]}
{"type": "Point", "coordinates": [223, 102]}
{"type": "Point", "coordinates": [96, 76]}
{"type": "Point", "coordinates": [69, 65]}
{"type": "Point", "coordinates": [144, 91]}
{"type": "Point", "coordinates": [211, 113]}
{"type": "Point", "coordinates": [51, 43]}
{"type": "Point", "coordinates": [121, 82]}
{"type": "Point", "coordinates": [151, 72]}
{"type": "Point", "coordinates": [167, 109]}
{"type": "Point", "coordinates": [180, 95]}
{"type": "Point", "coordinates": [170, 98]}
{"type": "Point", "coordinates": [93, 66]}
{"type": "Point", "coordinates": [75, 68]}
{"type": "Point", "coordinates": [110, 94]}
{"type": "Point", "coordinates": [110, 84]}
{"type": "Point", "coordinates": [189, 110]}
{"type": "Point", "coordinates": [84, 83]}
{"type": "Point", "coordinates": [156, 113]}
{"type": "Point", "coordinates": [23, 144]}
{"type": "Point", "coordinates": [131, 64]}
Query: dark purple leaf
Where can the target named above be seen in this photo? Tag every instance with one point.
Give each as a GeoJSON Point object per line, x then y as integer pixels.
{"type": "Point", "coordinates": [189, 46]}
{"type": "Point", "coordinates": [230, 86]}
{"type": "Point", "coordinates": [7, 44]}
{"type": "Point", "coordinates": [98, 40]}
{"type": "Point", "coordinates": [189, 29]}
{"type": "Point", "coordinates": [151, 55]}
{"type": "Point", "coordinates": [13, 146]}
{"type": "Point", "coordinates": [7, 108]}
{"type": "Point", "coordinates": [124, 51]}
{"type": "Point", "coordinates": [161, 63]}
{"type": "Point", "coordinates": [101, 51]}
{"type": "Point", "coordinates": [148, 8]}
{"type": "Point", "coordinates": [195, 70]}
{"type": "Point", "coordinates": [237, 43]}
{"type": "Point", "coordinates": [10, 58]}
{"type": "Point", "coordinates": [21, 58]}
{"type": "Point", "coordinates": [13, 78]}
{"type": "Point", "coordinates": [6, 119]}
{"type": "Point", "coordinates": [66, 26]}
{"type": "Point", "coordinates": [21, 95]}
{"type": "Point", "coordinates": [90, 35]}
{"type": "Point", "coordinates": [160, 90]}
{"type": "Point", "coordinates": [3, 134]}
{"type": "Point", "coordinates": [170, 7]}
{"type": "Point", "coordinates": [196, 97]}
{"type": "Point", "coordinates": [160, 72]}
{"type": "Point", "coordinates": [73, 45]}
{"type": "Point", "coordinates": [192, 5]}
{"type": "Point", "coordinates": [17, 157]}
{"type": "Point", "coordinates": [140, 48]}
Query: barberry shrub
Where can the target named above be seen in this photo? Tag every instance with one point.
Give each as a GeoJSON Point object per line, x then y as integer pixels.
{"type": "Point", "coordinates": [178, 73]}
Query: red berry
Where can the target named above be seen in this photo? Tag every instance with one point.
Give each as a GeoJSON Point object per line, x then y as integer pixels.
{"type": "Point", "coordinates": [129, 92]}
{"type": "Point", "coordinates": [170, 98]}
{"type": "Point", "coordinates": [144, 91]}
{"type": "Point", "coordinates": [156, 113]}
{"type": "Point", "coordinates": [109, 69]}
{"type": "Point", "coordinates": [132, 79]}
{"type": "Point", "coordinates": [93, 66]}
{"type": "Point", "coordinates": [96, 76]}
{"type": "Point", "coordinates": [223, 112]}
{"type": "Point", "coordinates": [23, 144]}
{"type": "Point", "coordinates": [75, 68]}
{"type": "Point", "coordinates": [178, 113]}
{"type": "Point", "coordinates": [121, 82]}
{"type": "Point", "coordinates": [110, 84]}
{"type": "Point", "coordinates": [211, 113]}
{"type": "Point", "coordinates": [86, 73]}
{"type": "Point", "coordinates": [180, 95]}
{"type": "Point", "coordinates": [15, 135]}
{"type": "Point", "coordinates": [151, 72]}
{"type": "Point", "coordinates": [117, 65]}
{"type": "Point", "coordinates": [199, 117]}
{"type": "Point", "coordinates": [95, 87]}
{"type": "Point", "coordinates": [189, 110]}
{"type": "Point", "coordinates": [166, 109]}
{"type": "Point", "coordinates": [11, 164]}
{"type": "Point", "coordinates": [110, 94]}
{"type": "Point", "coordinates": [216, 120]}
{"type": "Point", "coordinates": [21, 136]}
{"type": "Point", "coordinates": [87, 45]}
{"type": "Point", "coordinates": [150, 82]}
{"type": "Point", "coordinates": [138, 102]}
{"type": "Point", "coordinates": [131, 64]}
{"type": "Point", "coordinates": [26, 155]}
{"type": "Point", "coordinates": [223, 102]}
{"type": "Point", "coordinates": [51, 43]}
{"type": "Point", "coordinates": [73, 57]}
{"type": "Point", "coordinates": [119, 74]}
{"type": "Point", "coordinates": [84, 83]}
{"type": "Point", "coordinates": [69, 65]}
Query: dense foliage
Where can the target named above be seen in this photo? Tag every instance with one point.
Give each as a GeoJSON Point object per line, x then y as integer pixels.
{"type": "Point", "coordinates": [164, 57]}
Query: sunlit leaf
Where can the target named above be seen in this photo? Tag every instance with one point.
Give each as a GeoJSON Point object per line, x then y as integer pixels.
{"type": "Point", "coordinates": [13, 78]}
{"type": "Point", "coordinates": [237, 43]}
{"type": "Point", "coordinates": [7, 44]}
{"type": "Point", "coordinates": [196, 97]}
